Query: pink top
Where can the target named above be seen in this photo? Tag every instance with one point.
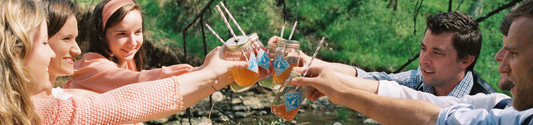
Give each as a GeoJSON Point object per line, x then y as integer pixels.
{"type": "Point", "coordinates": [96, 73]}
{"type": "Point", "coordinates": [117, 106]}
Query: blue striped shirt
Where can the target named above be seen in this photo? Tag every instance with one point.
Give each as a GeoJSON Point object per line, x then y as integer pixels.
{"type": "Point", "coordinates": [413, 79]}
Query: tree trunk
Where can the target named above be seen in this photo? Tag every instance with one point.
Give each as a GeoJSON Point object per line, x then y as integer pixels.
{"type": "Point", "coordinates": [393, 4]}
{"type": "Point", "coordinates": [450, 6]}
{"type": "Point", "coordinates": [476, 9]}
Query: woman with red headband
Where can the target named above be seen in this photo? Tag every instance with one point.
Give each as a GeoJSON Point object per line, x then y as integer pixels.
{"type": "Point", "coordinates": [116, 55]}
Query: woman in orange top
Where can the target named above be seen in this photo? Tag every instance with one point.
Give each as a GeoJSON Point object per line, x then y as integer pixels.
{"type": "Point", "coordinates": [116, 55]}
{"type": "Point", "coordinates": [25, 56]}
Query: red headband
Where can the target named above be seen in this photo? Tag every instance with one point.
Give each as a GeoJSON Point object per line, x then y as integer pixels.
{"type": "Point", "coordinates": [111, 7]}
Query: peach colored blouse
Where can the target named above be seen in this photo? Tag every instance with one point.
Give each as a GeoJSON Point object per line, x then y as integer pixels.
{"type": "Point", "coordinates": [117, 106]}
{"type": "Point", "coordinates": [96, 73]}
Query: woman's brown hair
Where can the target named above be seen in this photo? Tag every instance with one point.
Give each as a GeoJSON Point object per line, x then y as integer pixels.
{"type": "Point", "coordinates": [97, 41]}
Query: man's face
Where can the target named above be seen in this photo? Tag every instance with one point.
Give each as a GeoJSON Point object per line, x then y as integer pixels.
{"type": "Point", "coordinates": [504, 83]}
{"type": "Point", "coordinates": [518, 57]}
{"type": "Point", "coordinates": [438, 61]}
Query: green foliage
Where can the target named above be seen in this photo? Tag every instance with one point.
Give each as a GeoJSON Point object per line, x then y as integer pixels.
{"type": "Point", "coordinates": [366, 34]}
{"type": "Point", "coordinates": [342, 113]}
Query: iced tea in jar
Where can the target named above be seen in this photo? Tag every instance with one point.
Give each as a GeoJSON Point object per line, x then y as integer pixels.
{"type": "Point", "coordinates": [267, 81]}
{"type": "Point", "coordinates": [240, 49]}
{"type": "Point", "coordinates": [261, 52]}
{"type": "Point", "coordinates": [287, 56]}
{"type": "Point", "coordinates": [288, 99]}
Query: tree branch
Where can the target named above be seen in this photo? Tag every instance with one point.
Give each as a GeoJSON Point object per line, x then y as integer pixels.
{"type": "Point", "coordinates": [450, 6]}
{"type": "Point", "coordinates": [407, 63]}
{"type": "Point", "coordinates": [199, 14]}
{"type": "Point", "coordinates": [510, 4]}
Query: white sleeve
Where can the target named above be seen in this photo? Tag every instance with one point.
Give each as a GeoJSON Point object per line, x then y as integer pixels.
{"type": "Point", "coordinates": [60, 94]}
{"type": "Point", "coordinates": [393, 89]}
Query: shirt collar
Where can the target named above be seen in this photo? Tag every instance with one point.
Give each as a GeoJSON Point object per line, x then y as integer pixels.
{"type": "Point", "coordinates": [463, 88]}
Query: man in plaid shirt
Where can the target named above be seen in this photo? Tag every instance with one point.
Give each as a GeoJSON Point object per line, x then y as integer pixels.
{"type": "Point", "coordinates": [449, 51]}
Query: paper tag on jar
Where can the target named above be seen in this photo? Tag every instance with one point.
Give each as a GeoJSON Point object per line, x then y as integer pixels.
{"type": "Point", "coordinates": [262, 59]}
{"type": "Point", "coordinates": [253, 63]}
{"type": "Point", "coordinates": [280, 64]}
{"type": "Point", "coordinates": [293, 100]}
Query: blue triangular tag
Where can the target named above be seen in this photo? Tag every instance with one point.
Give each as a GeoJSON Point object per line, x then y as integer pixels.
{"type": "Point", "coordinates": [293, 100]}
{"type": "Point", "coordinates": [253, 63]}
{"type": "Point", "coordinates": [280, 64]}
{"type": "Point", "coordinates": [262, 59]}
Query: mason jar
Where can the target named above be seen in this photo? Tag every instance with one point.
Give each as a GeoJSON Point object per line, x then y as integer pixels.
{"type": "Point", "coordinates": [268, 57]}
{"type": "Point", "coordinates": [288, 99]}
{"type": "Point", "coordinates": [287, 57]}
{"type": "Point", "coordinates": [241, 49]}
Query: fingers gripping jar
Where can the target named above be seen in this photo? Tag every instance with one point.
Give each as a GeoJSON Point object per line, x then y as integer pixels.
{"type": "Point", "coordinates": [241, 50]}
{"type": "Point", "coordinates": [287, 57]}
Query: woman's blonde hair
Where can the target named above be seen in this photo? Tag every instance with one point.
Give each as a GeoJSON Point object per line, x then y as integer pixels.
{"type": "Point", "coordinates": [17, 18]}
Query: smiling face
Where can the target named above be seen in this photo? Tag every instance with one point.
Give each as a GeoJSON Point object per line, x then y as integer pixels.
{"type": "Point", "coordinates": [516, 63]}
{"type": "Point", "coordinates": [438, 61]}
{"type": "Point", "coordinates": [39, 58]}
{"type": "Point", "coordinates": [64, 45]}
{"type": "Point", "coordinates": [126, 37]}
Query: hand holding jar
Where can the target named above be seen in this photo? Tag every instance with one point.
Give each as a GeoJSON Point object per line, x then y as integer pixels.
{"type": "Point", "coordinates": [240, 49]}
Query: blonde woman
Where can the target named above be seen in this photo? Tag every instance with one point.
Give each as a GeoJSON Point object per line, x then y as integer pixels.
{"type": "Point", "coordinates": [17, 29]}
{"type": "Point", "coordinates": [25, 56]}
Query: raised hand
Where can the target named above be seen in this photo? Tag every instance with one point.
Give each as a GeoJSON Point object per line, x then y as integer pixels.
{"type": "Point", "coordinates": [217, 63]}
{"type": "Point", "coordinates": [273, 39]}
{"type": "Point", "coordinates": [325, 82]}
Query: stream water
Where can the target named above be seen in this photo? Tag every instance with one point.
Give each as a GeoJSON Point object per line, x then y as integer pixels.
{"type": "Point", "coordinates": [344, 116]}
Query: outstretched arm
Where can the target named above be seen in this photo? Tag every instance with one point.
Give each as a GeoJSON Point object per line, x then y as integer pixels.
{"type": "Point", "coordinates": [140, 102]}
{"type": "Point", "coordinates": [385, 110]}
{"type": "Point", "coordinates": [197, 85]}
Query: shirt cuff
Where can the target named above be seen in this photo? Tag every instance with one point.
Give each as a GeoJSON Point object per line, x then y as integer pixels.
{"type": "Point", "coordinates": [388, 88]}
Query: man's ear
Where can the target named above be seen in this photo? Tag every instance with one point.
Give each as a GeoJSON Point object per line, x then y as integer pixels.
{"type": "Point", "coordinates": [467, 61]}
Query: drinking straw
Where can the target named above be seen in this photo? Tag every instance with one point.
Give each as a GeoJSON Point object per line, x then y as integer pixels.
{"type": "Point", "coordinates": [293, 27]}
{"type": "Point", "coordinates": [282, 29]}
{"type": "Point", "coordinates": [311, 61]}
{"type": "Point", "coordinates": [314, 55]}
{"type": "Point", "coordinates": [233, 19]}
{"type": "Point", "coordinates": [214, 33]}
{"type": "Point", "coordinates": [227, 24]}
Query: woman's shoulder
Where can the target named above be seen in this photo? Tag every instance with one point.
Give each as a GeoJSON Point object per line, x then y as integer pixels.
{"type": "Point", "coordinates": [92, 55]}
{"type": "Point", "coordinates": [92, 60]}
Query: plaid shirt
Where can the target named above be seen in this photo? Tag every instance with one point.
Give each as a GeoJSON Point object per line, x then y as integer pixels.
{"type": "Point", "coordinates": [413, 79]}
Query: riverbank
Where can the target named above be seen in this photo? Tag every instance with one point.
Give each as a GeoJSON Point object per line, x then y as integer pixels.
{"type": "Point", "coordinates": [253, 107]}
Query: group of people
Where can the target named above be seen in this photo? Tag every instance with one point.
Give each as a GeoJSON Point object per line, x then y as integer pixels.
{"type": "Point", "coordinates": [444, 89]}
{"type": "Point", "coordinates": [109, 85]}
